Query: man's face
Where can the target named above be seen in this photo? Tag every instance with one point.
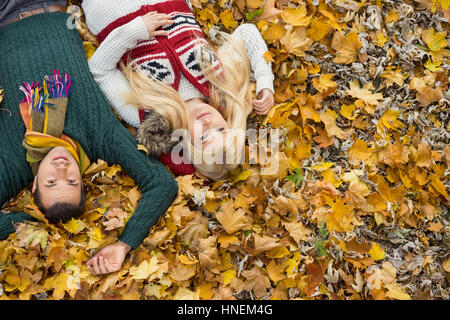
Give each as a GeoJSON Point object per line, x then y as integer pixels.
{"type": "Point", "coordinates": [59, 178]}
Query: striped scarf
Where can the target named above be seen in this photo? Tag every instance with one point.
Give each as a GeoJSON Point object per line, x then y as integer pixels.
{"type": "Point", "coordinates": [43, 111]}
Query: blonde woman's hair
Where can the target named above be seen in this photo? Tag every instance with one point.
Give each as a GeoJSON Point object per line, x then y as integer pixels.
{"type": "Point", "coordinates": [230, 93]}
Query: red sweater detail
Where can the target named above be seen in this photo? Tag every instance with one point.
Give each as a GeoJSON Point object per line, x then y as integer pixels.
{"type": "Point", "coordinates": [181, 169]}
{"type": "Point", "coordinates": [169, 56]}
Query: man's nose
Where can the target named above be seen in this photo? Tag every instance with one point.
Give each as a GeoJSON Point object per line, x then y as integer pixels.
{"type": "Point", "coordinates": [61, 167]}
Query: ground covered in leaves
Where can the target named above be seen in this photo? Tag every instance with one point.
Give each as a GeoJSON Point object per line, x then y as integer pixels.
{"type": "Point", "coordinates": [358, 208]}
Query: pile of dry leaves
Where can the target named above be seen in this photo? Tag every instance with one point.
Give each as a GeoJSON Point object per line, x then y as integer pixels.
{"type": "Point", "coordinates": [358, 208]}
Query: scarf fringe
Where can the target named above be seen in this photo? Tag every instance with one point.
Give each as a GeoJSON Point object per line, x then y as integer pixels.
{"type": "Point", "coordinates": [36, 100]}
{"type": "Point", "coordinates": [52, 87]}
{"type": "Point", "coordinates": [56, 87]}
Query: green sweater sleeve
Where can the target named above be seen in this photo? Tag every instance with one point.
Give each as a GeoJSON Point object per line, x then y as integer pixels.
{"type": "Point", "coordinates": [7, 220]}
{"type": "Point", "coordinates": [15, 174]}
{"type": "Point", "coordinates": [157, 185]}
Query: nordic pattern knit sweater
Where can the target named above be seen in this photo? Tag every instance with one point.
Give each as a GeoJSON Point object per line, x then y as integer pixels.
{"type": "Point", "coordinates": [103, 64]}
{"type": "Point", "coordinates": [33, 47]}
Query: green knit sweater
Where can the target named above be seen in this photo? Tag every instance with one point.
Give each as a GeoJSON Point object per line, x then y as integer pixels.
{"type": "Point", "coordinates": [36, 46]}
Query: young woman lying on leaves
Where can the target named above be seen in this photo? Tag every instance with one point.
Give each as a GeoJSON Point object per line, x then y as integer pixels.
{"type": "Point", "coordinates": [153, 55]}
{"type": "Point", "coordinates": [61, 124]}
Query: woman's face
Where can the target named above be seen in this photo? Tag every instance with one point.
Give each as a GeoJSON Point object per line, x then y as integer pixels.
{"type": "Point", "coordinates": [206, 125]}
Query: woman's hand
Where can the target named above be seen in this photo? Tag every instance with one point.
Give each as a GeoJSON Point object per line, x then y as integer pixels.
{"type": "Point", "coordinates": [153, 20]}
{"type": "Point", "coordinates": [109, 259]}
{"type": "Point", "coordinates": [264, 103]}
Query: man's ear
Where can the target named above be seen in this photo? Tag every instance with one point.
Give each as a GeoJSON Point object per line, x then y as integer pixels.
{"type": "Point", "coordinates": [33, 189]}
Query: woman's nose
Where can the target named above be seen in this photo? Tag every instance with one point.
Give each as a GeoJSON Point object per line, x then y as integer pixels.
{"type": "Point", "coordinates": [206, 121]}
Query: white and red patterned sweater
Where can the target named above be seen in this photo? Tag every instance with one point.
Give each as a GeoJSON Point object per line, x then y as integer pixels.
{"type": "Point", "coordinates": [123, 36]}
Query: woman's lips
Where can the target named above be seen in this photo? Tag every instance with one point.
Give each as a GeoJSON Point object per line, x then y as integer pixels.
{"type": "Point", "coordinates": [203, 114]}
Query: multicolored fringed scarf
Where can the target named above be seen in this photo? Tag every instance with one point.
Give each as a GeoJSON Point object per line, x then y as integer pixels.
{"type": "Point", "coordinates": [44, 111]}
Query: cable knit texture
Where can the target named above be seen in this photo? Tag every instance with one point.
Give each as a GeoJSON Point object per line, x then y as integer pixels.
{"type": "Point", "coordinates": [33, 47]}
{"type": "Point", "coordinates": [103, 64]}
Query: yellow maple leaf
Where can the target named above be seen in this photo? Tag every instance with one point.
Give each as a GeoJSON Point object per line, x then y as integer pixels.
{"type": "Point", "coordinates": [253, 4]}
{"type": "Point", "coordinates": [359, 151]}
{"type": "Point", "coordinates": [346, 46]}
{"type": "Point", "coordinates": [186, 294]}
{"type": "Point", "coordinates": [348, 111]}
{"type": "Point", "coordinates": [342, 217]}
{"type": "Point", "coordinates": [291, 265]}
{"type": "Point", "coordinates": [446, 265]}
{"type": "Point", "coordinates": [74, 226]}
{"type": "Point", "coordinates": [58, 283]}
{"type": "Point", "coordinates": [433, 65]}
{"type": "Point", "coordinates": [227, 19]}
{"type": "Point", "coordinates": [267, 55]}
{"type": "Point", "coordinates": [145, 269]}
{"type": "Point", "coordinates": [186, 260]}
{"type": "Point", "coordinates": [365, 94]}
{"type": "Point", "coordinates": [298, 231]}
{"type": "Point", "coordinates": [331, 127]}
{"type": "Point", "coordinates": [322, 166]}
{"type": "Point", "coordinates": [331, 19]}
{"type": "Point", "coordinates": [324, 82]}
{"type": "Point", "coordinates": [232, 220]}
{"type": "Point", "coordinates": [275, 271]}
{"type": "Point", "coordinates": [296, 17]}
{"type": "Point", "coordinates": [376, 252]}
{"type": "Point", "coordinates": [89, 49]}
{"type": "Point", "coordinates": [207, 15]}
{"type": "Point", "coordinates": [226, 240]}
{"type": "Point", "coordinates": [296, 41]}
{"type": "Point", "coordinates": [153, 290]}
{"type": "Point", "coordinates": [318, 29]}
{"type": "Point", "coordinates": [445, 4]}
{"type": "Point", "coordinates": [228, 276]}
{"type": "Point", "coordinates": [435, 40]}
{"type": "Point", "coordinates": [242, 176]}
{"type": "Point", "coordinates": [439, 186]}
{"type": "Point", "coordinates": [279, 252]}
{"type": "Point", "coordinates": [330, 176]}
{"type": "Point", "coordinates": [393, 75]}
{"type": "Point", "coordinates": [389, 120]}
{"type": "Point", "coordinates": [381, 39]}
{"type": "Point", "coordinates": [395, 291]}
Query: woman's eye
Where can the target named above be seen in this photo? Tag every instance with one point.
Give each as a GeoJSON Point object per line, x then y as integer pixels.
{"type": "Point", "coordinates": [221, 129]}
{"type": "Point", "coordinates": [51, 181]}
{"type": "Point", "coordinates": [202, 138]}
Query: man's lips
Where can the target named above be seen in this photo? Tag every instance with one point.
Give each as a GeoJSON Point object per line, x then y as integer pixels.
{"type": "Point", "coordinates": [60, 158]}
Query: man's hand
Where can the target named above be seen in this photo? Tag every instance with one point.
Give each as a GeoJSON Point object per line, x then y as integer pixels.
{"type": "Point", "coordinates": [264, 103]}
{"type": "Point", "coordinates": [109, 259]}
{"type": "Point", "coordinates": [153, 20]}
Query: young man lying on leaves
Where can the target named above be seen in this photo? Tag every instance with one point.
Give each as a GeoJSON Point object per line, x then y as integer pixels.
{"type": "Point", "coordinates": [58, 123]}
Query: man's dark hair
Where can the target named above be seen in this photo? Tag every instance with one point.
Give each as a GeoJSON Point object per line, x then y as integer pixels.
{"type": "Point", "coordinates": [61, 211]}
